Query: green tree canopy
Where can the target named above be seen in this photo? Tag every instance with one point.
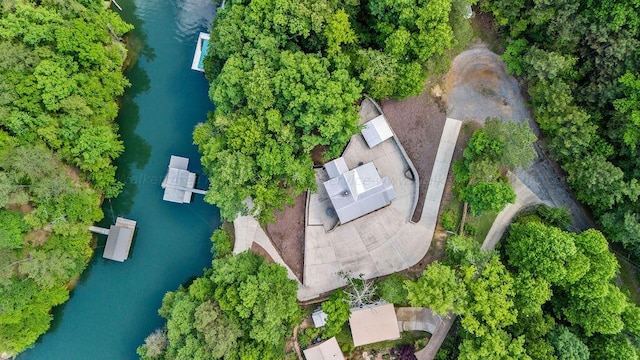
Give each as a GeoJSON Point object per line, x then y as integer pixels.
{"type": "Point", "coordinates": [497, 147]}
{"type": "Point", "coordinates": [567, 345]}
{"type": "Point", "coordinates": [338, 311]}
{"type": "Point", "coordinates": [438, 289]}
{"type": "Point", "coordinates": [241, 308]}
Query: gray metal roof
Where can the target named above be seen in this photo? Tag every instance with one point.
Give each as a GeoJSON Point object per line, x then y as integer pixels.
{"type": "Point", "coordinates": [178, 162]}
{"type": "Point", "coordinates": [358, 192]}
{"type": "Point", "coordinates": [336, 167]}
{"type": "Point", "coordinates": [319, 318]}
{"type": "Point", "coordinates": [179, 183]}
{"type": "Point", "coordinates": [118, 243]}
{"type": "Point", "coordinates": [376, 131]}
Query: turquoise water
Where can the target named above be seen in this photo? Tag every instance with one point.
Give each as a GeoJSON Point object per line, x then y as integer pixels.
{"type": "Point", "coordinates": [114, 306]}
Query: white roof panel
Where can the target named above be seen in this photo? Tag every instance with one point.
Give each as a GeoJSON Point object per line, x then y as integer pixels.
{"type": "Point", "coordinates": [376, 131]}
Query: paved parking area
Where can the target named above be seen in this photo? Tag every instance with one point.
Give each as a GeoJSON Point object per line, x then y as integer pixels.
{"type": "Point", "coordinates": [384, 241]}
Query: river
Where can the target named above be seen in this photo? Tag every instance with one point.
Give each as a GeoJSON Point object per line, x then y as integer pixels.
{"type": "Point", "coordinates": [114, 305]}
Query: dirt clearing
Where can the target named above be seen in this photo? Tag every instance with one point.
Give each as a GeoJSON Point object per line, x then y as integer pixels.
{"type": "Point", "coordinates": [418, 123]}
{"type": "Point", "coordinates": [287, 235]}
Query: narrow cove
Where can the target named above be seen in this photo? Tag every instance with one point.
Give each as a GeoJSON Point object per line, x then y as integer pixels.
{"type": "Point", "coordinates": [114, 305]}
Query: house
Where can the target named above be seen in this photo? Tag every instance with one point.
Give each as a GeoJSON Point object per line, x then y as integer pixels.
{"type": "Point", "coordinates": [373, 323]}
{"type": "Point", "coordinates": [356, 192]}
{"type": "Point", "coordinates": [327, 350]}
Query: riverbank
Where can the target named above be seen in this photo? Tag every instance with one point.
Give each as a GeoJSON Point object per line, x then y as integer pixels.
{"type": "Point", "coordinates": [114, 305]}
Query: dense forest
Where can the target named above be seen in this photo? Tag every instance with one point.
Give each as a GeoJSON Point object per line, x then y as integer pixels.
{"type": "Point", "coordinates": [548, 295]}
{"type": "Point", "coordinates": [242, 308]}
{"type": "Point", "coordinates": [286, 77]}
{"type": "Point", "coordinates": [581, 62]}
{"type": "Point", "coordinates": [60, 75]}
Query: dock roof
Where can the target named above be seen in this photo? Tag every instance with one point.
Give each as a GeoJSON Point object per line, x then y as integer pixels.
{"type": "Point", "coordinates": [178, 184]}
{"type": "Point", "coordinates": [119, 240]}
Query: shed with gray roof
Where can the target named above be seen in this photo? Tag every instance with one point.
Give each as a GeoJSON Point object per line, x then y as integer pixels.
{"type": "Point", "coordinates": [376, 131]}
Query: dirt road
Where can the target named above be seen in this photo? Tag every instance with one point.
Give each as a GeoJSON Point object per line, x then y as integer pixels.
{"type": "Point", "coordinates": [477, 87]}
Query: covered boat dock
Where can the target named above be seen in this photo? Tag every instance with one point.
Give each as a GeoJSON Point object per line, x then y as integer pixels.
{"type": "Point", "coordinates": [119, 239]}
{"type": "Point", "coordinates": [179, 183]}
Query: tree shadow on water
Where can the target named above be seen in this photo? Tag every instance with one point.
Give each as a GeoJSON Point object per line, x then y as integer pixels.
{"type": "Point", "coordinates": [137, 150]}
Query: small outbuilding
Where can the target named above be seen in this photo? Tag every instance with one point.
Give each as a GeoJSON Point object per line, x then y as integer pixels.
{"type": "Point", "coordinates": [319, 318]}
{"type": "Point", "coordinates": [327, 350]}
{"type": "Point", "coordinates": [376, 131]}
{"type": "Point", "coordinates": [356, 192]}
{"type": "Point", "coordinates": [373, 323]}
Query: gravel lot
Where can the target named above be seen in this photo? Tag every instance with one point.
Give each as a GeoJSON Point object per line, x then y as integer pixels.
{"type": "Point", "coordinates": [477, 87]}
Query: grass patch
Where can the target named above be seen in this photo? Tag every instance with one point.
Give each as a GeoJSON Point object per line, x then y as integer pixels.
{"type": "Point", "coordinates": [478, 226]}
{"type": "Point", "coordinates": [630, 279]}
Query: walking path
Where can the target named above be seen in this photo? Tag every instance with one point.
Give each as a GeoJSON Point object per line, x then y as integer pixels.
{"type": "Point", "coordinates": [524, 198]}
{"type": "Point", "coordinates": [439, 174]}
{"type": "Point", "coordinates": [248, 231]}
{"type": "Point", "coordinates": [417, 318]}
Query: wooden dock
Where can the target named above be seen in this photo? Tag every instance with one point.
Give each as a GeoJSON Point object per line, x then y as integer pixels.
{"type": "Point", "coordinates": [99, 230]}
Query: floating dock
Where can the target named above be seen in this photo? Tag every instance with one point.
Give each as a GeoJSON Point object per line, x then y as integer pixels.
{"type": "Point", "coordinates": [179, 184]}
{"type": "Point", "coordinates": [202, 46]}
{"type": "Point", "coordinates": [119, 239]}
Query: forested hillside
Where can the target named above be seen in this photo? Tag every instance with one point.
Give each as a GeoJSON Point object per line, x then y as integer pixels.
{"type": "Point", "coordinates": [242, 308]}
{"type": "Point", "coordinates": [581, 62]}
{"type": "Point", "coordinates": [60, 76]}
{"type": "Point", "coordinates": [286, 77]}
{"type": "Point", "coordinates": [551, 297]}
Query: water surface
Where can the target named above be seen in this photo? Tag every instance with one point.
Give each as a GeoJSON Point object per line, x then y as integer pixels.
{"type": "Point", "coordinates": [114, 306]}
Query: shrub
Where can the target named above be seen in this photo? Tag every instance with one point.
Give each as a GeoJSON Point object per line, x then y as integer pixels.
{"type": "Point", "coordinates": [450, 218]}
{"type": "Point", "coordinates": [222, 245]}
{"type": "Point", "coordinates": [392, 290]}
